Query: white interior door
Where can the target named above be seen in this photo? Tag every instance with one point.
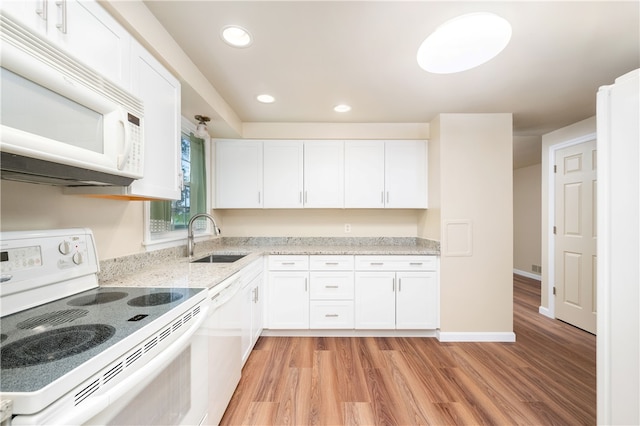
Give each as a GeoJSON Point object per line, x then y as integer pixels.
{"type": "Point", "coordinates": [575, 235]}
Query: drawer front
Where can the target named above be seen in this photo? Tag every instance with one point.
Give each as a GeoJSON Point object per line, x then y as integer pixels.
{"type": "Point", "coordinates": [396, 263]}
{"type": "Point", "coordinates": [331, 285]}
{"type": "Point", "coordinates": [288, 263]}
{"type": "Point", "coordinates": [331, 315]}
{"type": "Point", "coordinates": [331, 263]}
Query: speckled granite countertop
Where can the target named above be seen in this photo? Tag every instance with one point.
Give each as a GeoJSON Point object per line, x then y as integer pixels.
{"type": "Point", "coordinates": [178, 271]}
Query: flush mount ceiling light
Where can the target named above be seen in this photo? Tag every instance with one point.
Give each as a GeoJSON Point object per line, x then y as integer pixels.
{"type": "Point", "coordinates": [464, 42]}
{"type": "Point", "coordinates": [342, 108]}
{"type": "Point", "coordinates": [265, 99]}
{"type": "Point", "coordinates": [236, 36]}
{"type": "Point", "coordinates": [201, 128]}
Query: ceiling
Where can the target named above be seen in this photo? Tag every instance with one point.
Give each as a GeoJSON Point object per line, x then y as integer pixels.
{"type": "Point", "coordinates": [313, 55]}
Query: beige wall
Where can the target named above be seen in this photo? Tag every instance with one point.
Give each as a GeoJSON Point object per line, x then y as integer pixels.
{"type": "Point", "coordinates": [318, 223]}
{"type": "Point", "coordinates": [117, 225]}
{"type": "Point", "coordinates": [577, 130]}
{"type": "Point", "coordinates": [526, 218]}
{"type": "Point", "coordinates": [476, 195]}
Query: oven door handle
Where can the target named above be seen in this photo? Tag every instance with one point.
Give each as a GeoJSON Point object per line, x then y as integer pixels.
{"type": "Point", "coordinates": [90, 408]}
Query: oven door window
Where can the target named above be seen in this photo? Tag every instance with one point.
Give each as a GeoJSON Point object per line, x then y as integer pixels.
{"type": "Point", "coordinates": [32, 108]}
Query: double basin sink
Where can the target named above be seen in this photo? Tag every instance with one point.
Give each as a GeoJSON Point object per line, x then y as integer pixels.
{"type": "Point", "coordinates": [219, 258]}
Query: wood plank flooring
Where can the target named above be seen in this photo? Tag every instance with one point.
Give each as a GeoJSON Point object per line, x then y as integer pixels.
{"type": "Point", "coordinates": [547, 377]}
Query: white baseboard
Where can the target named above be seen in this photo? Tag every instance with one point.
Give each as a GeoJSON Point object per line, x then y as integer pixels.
{"type": "Point", "coordinates": [348, 333]}
{"type": "Point", "coordinates": [463, 336]}
{"type": "Point", "coordinates": [546, 312]}
{"type": "Point", "coordinates": [528, 274]}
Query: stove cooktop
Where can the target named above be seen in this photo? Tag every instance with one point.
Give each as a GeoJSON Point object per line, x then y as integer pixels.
{"type": "Point", "coordinates": [42, 344]}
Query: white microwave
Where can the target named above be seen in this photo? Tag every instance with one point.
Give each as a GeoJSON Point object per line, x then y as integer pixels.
{"type": "Point", "coordinates": [63, 123]}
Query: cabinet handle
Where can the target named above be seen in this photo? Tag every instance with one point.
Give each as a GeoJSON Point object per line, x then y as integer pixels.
{"type": "Point", "coordinates": [257, 294]}
{"type": "Point", "coordinates": [305, 285]}
{"type": "Point", "coordinates": [387, 197]}
{"type": "Point", "coordinates": [415, 263]}
{"type": "Point", "coordinates": [62, 21]}
{"type": "Point", "coordinates": [331, 263]}
{"type": "Point", "coordinates": [42, 10]}
{"type": "Point", "coordinates": [399, 284]}
{"type": "Point", "coordinates": [331, 286]}
{"type": "Point", "coordinates": [287, 263]}
{"type": "Point", "coordinates": [305, 197]}
{"type": "Point", "coordinates": [381, 197]}
{"type": "Point", "coordinates": [393, 285]}
{"type": "Point", "coordinates": [259, 197]}
{"type": "Point", "coordinates": [300, 196]}
{"type": "Point", "coordinates": [331, 315]}
{"type": "Point", "coordinates": [377, 263]}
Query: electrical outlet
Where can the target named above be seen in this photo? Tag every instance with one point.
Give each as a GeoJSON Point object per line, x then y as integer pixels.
{"type": "Point", "coordinates": [536, 268]}
{"type": "Point", "coordinates": [347, 228]}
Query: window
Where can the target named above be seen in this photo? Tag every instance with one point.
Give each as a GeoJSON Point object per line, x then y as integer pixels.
{"type": "Point", "coordinates": [169, 219]}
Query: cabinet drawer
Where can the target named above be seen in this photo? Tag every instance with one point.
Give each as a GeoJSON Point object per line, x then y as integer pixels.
{"type": "Point", "coordinates": [396, 263]}
{"type": "Point", "coordinates": [331, 315]}
{"type": "Point", "coordinates": [331, 285]}
{"type": "Point", "coordinates": [288, 263]}
{"type": "Point", "coordinates": [331, 263]}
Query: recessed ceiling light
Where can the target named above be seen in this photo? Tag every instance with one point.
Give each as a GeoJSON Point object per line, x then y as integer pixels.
{"type": "Point", "coordinates": [236, 36]}
{"type": "Point", "coordinates": [464, 42]}
{"type": "Point", "coordinates": [342, 108]}
{"type": "Point", "coordinates": [265, 99]}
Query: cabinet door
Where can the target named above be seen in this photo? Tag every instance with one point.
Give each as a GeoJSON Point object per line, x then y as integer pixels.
{"type": "Point", "coordinates": [81, 28]}
{"type": "Point", "coordinates": [283, 174]}
{"type": "Point", "coordinates": [160, 92]}
{"type": "Point", "coordinates": [32, 13]}
{"type": "Point", "coordinates": [257, 311]}
{"type": "Point", "coordinates": [288, 300]}
{"type": "Point", "coordinates": [417, 300]}
{"type": "Point", "coordinates": [245, 329]}
{"type": "Point", "coordinates": [324, 174]}
{"type": "Point", "coordinates": [406, 174]}
{"type": "Point", "coordinates": [364, 174]}
{"type": "Point", "coordinates": [84, 29]}
{"type": "Point", "coordinates": [375, 300]}
{"type": "Point", "coordinates": [238, 174]}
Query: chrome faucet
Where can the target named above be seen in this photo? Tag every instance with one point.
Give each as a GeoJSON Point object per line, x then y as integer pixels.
{"type": "Point", "coordinates": [190, 242]}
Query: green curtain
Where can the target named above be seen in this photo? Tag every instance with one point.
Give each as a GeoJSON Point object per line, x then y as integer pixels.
{"type": "Point", "coordinates": [161, 211]}
{"type": "Point", "coordinates": [160, 216]}
{"type": "Point", "coordinates": [198, 176]}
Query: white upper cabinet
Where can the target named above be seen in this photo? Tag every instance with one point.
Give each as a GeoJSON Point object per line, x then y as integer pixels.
{"type": "Point", "coordinates": [283, 174]}
{"type": "Point", "coordinates": [160, 92]}
{"type": "Point", "coordinates": [391, 174]}
{"type": "Point", "coordinates": [364, 174]}
{"type": "Point", "coordinates": [81, 28]}
{"type": "Point", "coordinates": [324, 174]}
{"type": "Point", "coordinates": [405, 168]}
{"type": "Point", "coordinates": [238, 174]}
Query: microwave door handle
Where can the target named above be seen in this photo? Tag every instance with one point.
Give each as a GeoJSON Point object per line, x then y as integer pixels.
{"type": "Point", "coordinates": [128, 143]}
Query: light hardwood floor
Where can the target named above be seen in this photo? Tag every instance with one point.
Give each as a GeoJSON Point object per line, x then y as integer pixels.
{"type": "Point", "coordinates": [547, 377]}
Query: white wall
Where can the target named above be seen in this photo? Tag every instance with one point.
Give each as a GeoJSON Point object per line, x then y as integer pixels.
{"type": "Point", "coordinates": [526, 219]}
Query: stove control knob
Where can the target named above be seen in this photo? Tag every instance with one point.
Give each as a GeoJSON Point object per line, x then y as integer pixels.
{"type": "Point", "coordinates": [65, 247]}
{"type": "Point", "coordinates": [78, 258]}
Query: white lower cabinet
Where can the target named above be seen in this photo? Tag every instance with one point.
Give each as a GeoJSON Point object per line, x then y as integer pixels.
{"type": "Point", "coordinates": [393, 292]}
{"type": "Point", "coordinates": [396, 292]}
{"type": "Point", "coordinates": [288, 292]}
{"type": "Point", "coordinates": [331, 296]}
{"type": "Point", "coordinates": [252, 308]}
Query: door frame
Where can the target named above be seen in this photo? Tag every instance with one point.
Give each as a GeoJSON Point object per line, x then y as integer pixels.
{"type": "Point", "coordinates": [550, 311]}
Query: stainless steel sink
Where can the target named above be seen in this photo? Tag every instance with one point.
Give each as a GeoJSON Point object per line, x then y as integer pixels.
{"type": "Point", "coordinates": [219, 258]}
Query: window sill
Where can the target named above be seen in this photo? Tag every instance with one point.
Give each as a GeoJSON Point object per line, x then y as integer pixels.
{"type": "Point", "coordinates": [175, 239]}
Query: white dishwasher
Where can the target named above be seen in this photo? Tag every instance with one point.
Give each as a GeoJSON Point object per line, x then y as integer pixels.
{"type": "Point", "coordinates": [224, 328]}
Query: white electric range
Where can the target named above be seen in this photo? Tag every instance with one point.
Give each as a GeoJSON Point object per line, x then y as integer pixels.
{"type": "Point", "coordinates": [72, 352]}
